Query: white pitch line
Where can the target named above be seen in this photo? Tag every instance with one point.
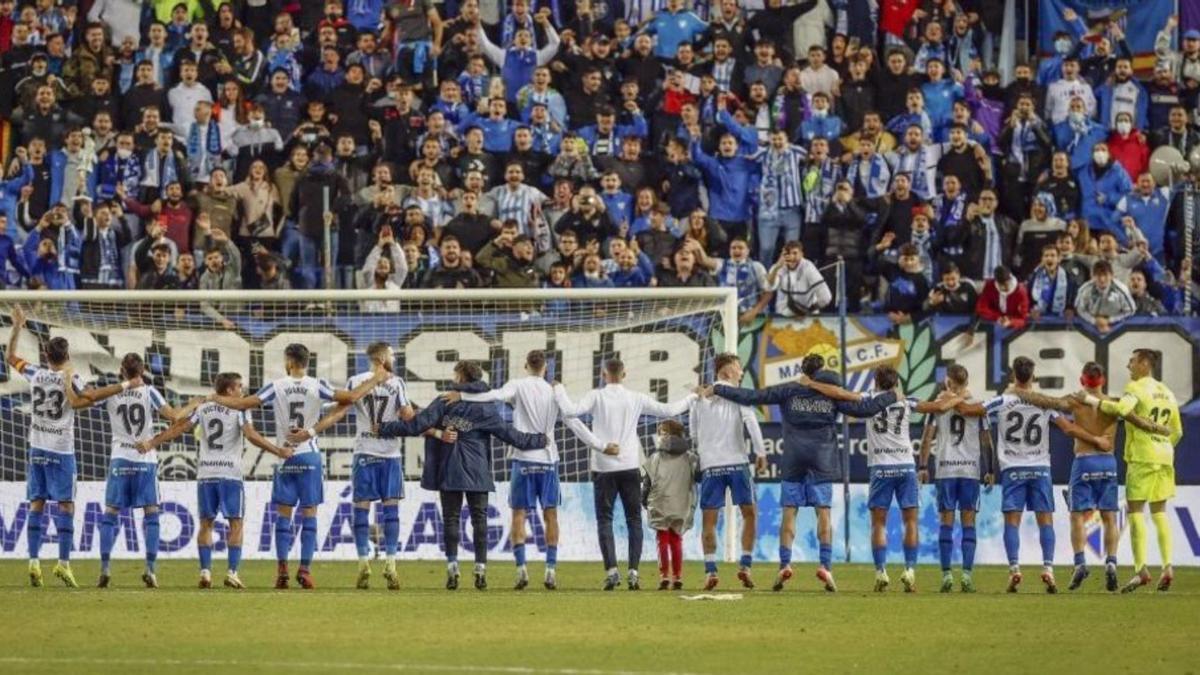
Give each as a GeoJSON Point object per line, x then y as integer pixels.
{"type": "Point", "coordinates": [320, 665]}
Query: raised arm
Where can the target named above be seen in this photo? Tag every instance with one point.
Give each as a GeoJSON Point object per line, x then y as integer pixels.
{"type": "Point", "coordinates": [426, 419]}
{"type": "Point", "coordinates": [776, 394]}
{"type": "Point", "coordinates": [1121, 407]}
{"type": "Point", "coordinates": [18, 324]}
{"type": "Point", "coordinates": [237, 402]}
{"type": "Point", "coordinates": [828, 390]}
{"type": "Point", "coordinates": [506, 394]}
{"type": "Point", "coordinates": [79, 398]}
{"type": "Point", "coordinates": [353, 396]}
{"type": "Point", "coordinates": [868, 407]}
{"type": "Point", "coordinates": [939, 405]}
{"type": "Point", "coordinates": [1063, 405]}
{"type": "Point", "coordinates": [1075, 431]}
{"type": "Point", "coordinates": [259, 441]}
{"type": "Point", "coordinates": [652, 407]}
{"type": "Point", "coordinates": [569, 408]}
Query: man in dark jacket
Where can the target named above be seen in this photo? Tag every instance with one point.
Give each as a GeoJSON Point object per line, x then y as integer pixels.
{"type": "Point", "coordinates": [811, 459]}
{"type": "Point", "coordinates": [462, 468]}
{"type": "Point", "coordinates": [317, 196]}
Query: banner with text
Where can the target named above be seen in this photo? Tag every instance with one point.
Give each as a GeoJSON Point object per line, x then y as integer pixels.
{"type": "Point", "coordinates": [1141, 20]}
{"type": "Point", "coordinates": [421, 530]}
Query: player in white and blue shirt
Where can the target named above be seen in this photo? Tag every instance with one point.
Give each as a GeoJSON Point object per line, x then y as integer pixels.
{"type": "Point", "coordinates": [219, 487]}
{"type": "Point", "coordinates": [894, 474]}
{"type": "Point", "coordinates": [534, 473]}
{"type": "Point", "coordinates": [55, 394]}
{"type": "Point", "coordinates": [296, 400]}
{"type": "Point", "coordinates": [1023, 451]}
{"type": "Point", "coordinates": [132, 481]}
{"type": "Point", "coordinates": [960, 445]}
{"type": "Point", "coordinates": [377, 470]}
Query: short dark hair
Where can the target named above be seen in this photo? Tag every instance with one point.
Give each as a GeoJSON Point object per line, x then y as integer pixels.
{"type": "Point", "coordinates": [1102, 267]}
{"type": "Point", "coordinates": [1148, 356]}
{"type": "Point", "coordinates": [536, 360]}
{"type": "Point", "coordinates": [297, 353]}
{"type": "Point", "coordinates": [225, 382]}
{"type": "Point", "coordinates": [812, 364]}
{"type": "Point", "coordinates": [132, 365]}
{"type": "Point", "coordinates": [950, 268]}
{"type": "Point", "coordinates": [672, 427]}
{"type": "Point", "coordinates": [1001, 274]}
{"type": "Point", "coordinates": [886, 378]}
{"type": "Point", "coordinates": [957, 374]}
{"type": "Point", "coordinates": [58, 351]}
{"type": "Point", "coordinates": [723, 360]}
{"type": "Point", "coordinates": [469, 371]}
{"type": "Point", "coordinates": [1022, 369]}
{"type": "Point", "coordinates": [614, 367]}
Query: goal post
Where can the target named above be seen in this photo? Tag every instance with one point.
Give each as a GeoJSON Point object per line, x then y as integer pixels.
{"type": "Point", "coordinates": [666, 337]}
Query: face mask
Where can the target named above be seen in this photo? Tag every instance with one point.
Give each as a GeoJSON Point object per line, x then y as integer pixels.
{"type": "Point", "coordinates": [256, 124]}
{"type": "Point", "coordinates": [820, 113]}
{"type": "Point", "coordinates": [1124, 128]}
{"type": "Point", "coordinates": [1062, 46]}
{"type": "Point", "coordinates": [1077, 118]}
{"type": "Point", "coordinates": [1100, 157]}
{"type": "Point", "coordinates": [124, 153]}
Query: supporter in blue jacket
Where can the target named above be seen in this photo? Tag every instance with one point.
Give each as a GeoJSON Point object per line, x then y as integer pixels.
{"type": "Point", "coordinates": [730, 179]}
{"type": "Point", "coordinates": [10, 253]}
{"type": "Point", "coordinates": [1102, 184]}
{"type": "Point", "coordinates": [1121, 86]}
{"type": "Point", "coordinates": [673, 27]}
{"type": "Point", "coordinates": [10, 190]}
{"type": "Point", "coordinates": [1077, 135]}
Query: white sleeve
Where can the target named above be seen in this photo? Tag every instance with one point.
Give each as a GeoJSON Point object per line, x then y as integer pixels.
{"type": "Point", "coordinates": [570, 409]}
{"type": "Point", "coordinates": [546, 53]}
{"type": "Point", "coordinates": [750, 421]}
{"type": "Point", "coordinates": [652, 407]}
{"type": "Point", "coordinates": [494, 53]}
{"type": "Point", "coordinates": [505, 393]}
{"type": "Point", "coordinates": [583, 433]}
{"type": "Point", "coordinates": [822, 296]}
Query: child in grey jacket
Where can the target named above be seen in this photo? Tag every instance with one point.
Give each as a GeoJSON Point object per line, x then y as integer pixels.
{"type": "Point", "coordinates": [669, 494]}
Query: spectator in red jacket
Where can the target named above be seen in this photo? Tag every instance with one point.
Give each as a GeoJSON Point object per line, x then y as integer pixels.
{"type": "Point", "coordinates": [1004, 300]}
{"type": "Point", "coordinates": [1128, 146]}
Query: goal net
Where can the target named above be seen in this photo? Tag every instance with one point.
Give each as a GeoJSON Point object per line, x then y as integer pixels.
{"type": "Point", "coordinates": [666, 337]}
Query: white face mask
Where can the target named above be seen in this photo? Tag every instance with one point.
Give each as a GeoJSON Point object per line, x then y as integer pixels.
{"type": "Point", "coordinates": [124, 153]}
{"type": "Point", "coordinates": [1100, 156]}
{"type": "Point", "coordinates": [1062, 46]}
{"type": "Point", "coordinates": [1077, 118]}
{"type": "Point", "coordinates": [819, 113]}
{"type": "Point", "coordinates": [256, 124]}
{"type": "Point", "coordinates": [1124, 128]}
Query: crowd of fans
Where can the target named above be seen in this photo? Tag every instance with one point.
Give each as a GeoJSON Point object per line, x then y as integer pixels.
{"type": "Point", "coordinates": [213, 144]}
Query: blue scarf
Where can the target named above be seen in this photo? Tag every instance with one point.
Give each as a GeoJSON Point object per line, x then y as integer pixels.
{"type": "Point", "coordinates": [1050, 295]}
{"type": "Point", "coordinates": [740, 275]}
{"type": "Point", "coordinates": [875, 183]}
{"type": "Point", "coordinates": [169, 173]}
{"type": "Point", "coordinates": [204, 158]}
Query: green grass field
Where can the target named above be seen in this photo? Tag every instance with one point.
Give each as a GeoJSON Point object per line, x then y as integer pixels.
{"type": "Point", "coordinates": [580, 629]}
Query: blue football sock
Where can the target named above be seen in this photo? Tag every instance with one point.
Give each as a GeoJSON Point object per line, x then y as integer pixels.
{"type": "Point", "coordinates": [1012, 543]}
{"type": "Point", "coordinates": [879, 554]}
{"type": "Point", "coordinates": [34, 528]}
{"type": "Point", "coordinates": [235, 558]}
{"type": "Point", "coordinates": [391, 529]}
{"type": "Point", "coordinates": [150, 531]}
{"type": "Point", "coordinates": [710, 563]}
{"type": "Point", "coordinates": [65, 524]}
{"type": "Point", "coordinates": [551, 556]}
{"type": "Point", "coordinates": [1046, 536]}
{"type": "Point", "coordinates": [746, 560]}
{"type": "Point", "coordinates": [362, 531]}
{"type": "Point", "coordinates": [283, 538]}
{"type": "Point", "coordinates": [785, 556]}
{"type": "Point", "coordinates": [910, 556]}
{"type": "Point", "coordinates": [1079, 559]}
{"type": "Point", "coordinates": [968, 547]}
{"type": "Point", "coordinates": [946, 545]}
{"type": "Point", "coordinates": [519, 554]}
{"type": "Point", "coordinates": [308, 540]}
{"type": "Point", "coordinates": [108, 537]}
{"type": "Point", "coordinates": [205, 557]}
{"type": "Point", "coordinates": [826, 556]}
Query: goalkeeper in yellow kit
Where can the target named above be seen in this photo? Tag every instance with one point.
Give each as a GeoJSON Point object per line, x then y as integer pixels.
{"type": "Point", "coordinates": [1150, 461]}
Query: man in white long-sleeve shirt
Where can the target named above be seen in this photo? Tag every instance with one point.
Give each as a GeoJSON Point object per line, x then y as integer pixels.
{"type": "Point", "coordinates": [616, 459]}
{"type": "Point", "coordinates": [719, 428]}
{"type": "Point", "coordinates": [534, 477]}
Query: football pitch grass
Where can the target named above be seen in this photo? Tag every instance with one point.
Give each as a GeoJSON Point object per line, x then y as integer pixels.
{"type": "Point", "coordinates": [580, 629]}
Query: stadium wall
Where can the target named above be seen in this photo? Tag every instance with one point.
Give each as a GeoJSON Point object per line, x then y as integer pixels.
{"type": "Point", "coordinates": [421, 534]}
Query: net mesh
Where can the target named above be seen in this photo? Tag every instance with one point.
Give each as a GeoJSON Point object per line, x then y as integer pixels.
{"type": "Point", "coordinates": [666, 341]}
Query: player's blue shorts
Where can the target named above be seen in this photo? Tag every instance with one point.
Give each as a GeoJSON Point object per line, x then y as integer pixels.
{"type": "Point", "coordinates": [807, 493]}
{"type": "Point", "coordinates": [131, 485]}
{"type": "Point", "coordinates": [221, 497]}
{"type": "Point", "coordinates": [958, 494]}
{"type": "Point", "coordinates": [533, 484]}
{"type": "Point", "coordinates": [1027, 489]}
{"type": "Point", "coordinates": [893, 481]}
{"type": "Point", "coordinates": [298, 481]}
{"type": "Point", "coordinates": [735, 478]}
{"type": "Point", "coordinates": [50, 476]}
{"type": "Point", "coordinates": [377, 478]}
{"type": "Point", "coordinates": [1094, 483]}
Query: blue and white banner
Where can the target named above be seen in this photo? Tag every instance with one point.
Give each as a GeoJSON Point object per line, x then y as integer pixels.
{"type": "Point", "coordinates": [1139, 19]}
{"type": "Point", "coordinates": [421, 531]}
